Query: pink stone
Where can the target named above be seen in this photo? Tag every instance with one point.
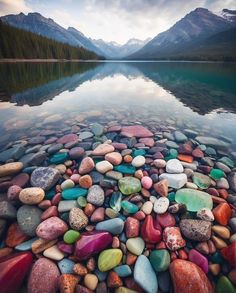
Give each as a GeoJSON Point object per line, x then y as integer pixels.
{"type": "Point", "coordinates": [114, 128]}
{"type": "Point", "coordinates": [166, 220]}
{"type": "Point", "coordinates": [13, 192]}
{"type": "Point", "coordinates": [64, 247]}
{"type": "Point", "coordinates": [45, 204]}
{"type": "Point", "coordinates": [132, 227]}
{"type": "Point", "coordinates": [51, 228]}
{"type": "Point", "coordinates": [119, 146]}
{"type": "Point", "coordinates": [50, 212]}
{"type": "Point", "coordinates": [76, 153]}
{"type": "Point", "coordinates": [200, 260]}
{"type": "Point", "coordinates": [146, 182]}
{"type": "Point", "coordinates": [135, 130]}
{"type": "Point", "coordinates": [103, 149]}
{"type": "Point", "coordinates": [173, 238]}
{"type": "Point", "coordinates": [86, 165]}
{"type": "Point", "coordinates": [140, 215]}
{"type": "Point", "coordinates": [98, 215]}
{"type": "Point", "coordinates": [114, 158]}
{"type": "Point", "coordinates": [67, 138]}
{"type": "Point", "coordinates": [147, 141]}
{"type": "Point", "coordinates": [75, 178]}
{"type": "Point", "coordinates": [21, 180]}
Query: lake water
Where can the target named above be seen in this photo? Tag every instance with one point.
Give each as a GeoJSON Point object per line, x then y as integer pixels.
{"type": "Point", "coordinates": [197, 96]}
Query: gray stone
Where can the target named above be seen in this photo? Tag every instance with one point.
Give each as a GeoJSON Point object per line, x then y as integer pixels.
{"type": "Point", "coordinates": [3, 225]}
{"type": "Point", "coordinates": [13, 153]}
{"type": "Point", "coordinates": [7, 210]}
{"type": "Point", "coordinates": [114, 226]}
{"type": "Point", "coordinates": [28, 218]}
{"type": "Point", "coordinates": [97, 129]}
{"type": "Point", "coordinates": [180, 137]}
{"type": "Point", "coordinates": [197, 230]}
{"type": "Point", "coordinates": [212, 141]}
{"type": "Point", "coordinates": [33, 159]}
{"type": "Point", "coordinates": [232, 181]}
{"type": "Point", "coordinates": [95, 195]}
{"type": "Point", "coordinates": [67, 205]}
{"type": "Point", "coordinates": [77, 219]}
{"type": "Point", "coordinates": [44, 177]}
{"type": "Point", "coordinates": [85, 135]}
{"type": "Point", "coordinates": [232, 223]}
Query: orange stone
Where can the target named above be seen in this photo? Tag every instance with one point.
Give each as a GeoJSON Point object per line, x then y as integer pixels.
{"type": "Point", "coordinates": [185, 158]}
{"type": "Point", "coordinates": [130, 259]}
{"type": "Point", "coordinates": [113, 280]}
{"type": "Point", "coordinates": [80, 269]}
{"type": "Point", "coordinates": [222, 213]}
{"type": "Point", "coordinates": [67, 283]}
{"type": "Point", "coordinates": [161, 187]}
{"type": "Point", "coordinates": [223, 193]}
{"type": "Point", "coordinates": [189, 278]}
{"type": "Point", "coordinates": [85, 181]}
{"type": "Point", "coordinates": [15, 236]}
{"type": "Point", "coordinates": [217, 199]}
{"type": "Point", "coordinates": [128, 159]}
{"type": "Point", "coordinates": [5, 251]}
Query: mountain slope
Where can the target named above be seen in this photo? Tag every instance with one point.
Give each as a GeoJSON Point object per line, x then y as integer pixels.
{"type": "Point", "coordinates": [189, 31]}
{"type": "Point", "coordinates": [38, 24]}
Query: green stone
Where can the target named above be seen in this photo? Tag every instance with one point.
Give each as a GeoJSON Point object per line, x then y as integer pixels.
{"type": "Point", "coordinates": [171, 196]}
{"type": "Point", "coordinates": [224, 285]}
{"type": "Point", "coordinates": [74, 193]}
{"type": "Point", "coordinates": [227, 161]}
{"type": "Point", "coordinates": [71, 236]}
{"type": "Point", "coordinates": [136, 153]}
{"type": "Point", "coordinates": [81, 201]}
{"type": "Point", "coordinates": [216, 174]}
{"type": "Point", "coordinates": [115, 201]}
{"type": "Point", "coordinates": [201, 180]}
{"type": "Point", "coordinates": [129, 207]}
{"type": "Point", "coordinates": [125, 169]}
{"type": "Point", "coordinates": [135, 245]}
{"type": "Point", "coordinates": [108, 259]}
{"type": "Point", "coordinates": [59, 158]}
{"type": "Point", "coordinates": [194, 200]}
{"type": "Point", "coordinates": [129, 185]}
{"type": "Point", "coordinates": [160, 260]}
{"type": "Point", "coordinates": [172, 155]}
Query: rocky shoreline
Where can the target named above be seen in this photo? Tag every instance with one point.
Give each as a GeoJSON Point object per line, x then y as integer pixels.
{"type": "Point", "coordinates": [117, 208]}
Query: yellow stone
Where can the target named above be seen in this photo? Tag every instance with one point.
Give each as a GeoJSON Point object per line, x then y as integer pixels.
{"type": "Point", "coordinates": [214, 269]}
{"type": "Point", "coordinates": [219, 243]}
{"type": "Point", "coordinates": [221, 231]}
{"type": "Point", "coordinates": [108, 259]}
{"type": "Point", "coordinates": [124, 290]}
{"type": "Point", "coordinates": [10, 169]}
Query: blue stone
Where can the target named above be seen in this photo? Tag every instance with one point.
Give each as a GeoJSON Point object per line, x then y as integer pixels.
{"type": "Point", "coordinates": [114, 226]}
{"type": "Point", "coordinates": [115, 201]}
{"type": "Point", "coordinates": [101, 275]}
{"type": "Point", "coordinates": [123, 271]}
{"type": "Point", "coordinates": [27, 245]}
{"type": "Point", "coordinates": [74, 193]}
{"type": "Point", "coordinates": [66, 266]}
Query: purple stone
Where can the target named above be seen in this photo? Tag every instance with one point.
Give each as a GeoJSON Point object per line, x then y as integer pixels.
{"type": "Point", "coordinates": [200, 260]}
{"type": "Point", "coordinates": [76, 153]}
{"type": "Point", "coordinates": [91, 243]}
{"type": "Point", "coordinates": [66, 248]}
{"type": "Point", "coordinates": [21, 179]}
{"type": "Point", "coordinates": [67, 138]}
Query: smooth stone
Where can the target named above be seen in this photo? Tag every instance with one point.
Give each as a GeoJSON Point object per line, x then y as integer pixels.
{"type": "Point", "coordinates": [174, 166]}
{"type": "Point", "coordinates": [10, 169]}
{"type": "Point", "coordinates": [135, 245]}
{"type": "Point", "coordinates": [227, 161]}
{"type": "Point", "coordinates": [67, 205]}
{"type": "Point", "coordinates": [91, 243]}
{"type": "Point", "coordinates": [97, 129]}
{"type": "Point", "coordinates": [232, 224]}
{"type": "Point", "coordinates": [7, 210]}
{"type": "Point", "coordinates": [14, 267]}
{"type": "Point", "coordinates": [149, 232]}
{"type": "Point", "coordinates": [44, 177]}
{"type": "Point", "coordinates": [46, 270]}
{"type": "Point", "coordinates": [98, 215]}
{"type": "Point", "coordinates": [115, 201]}
{"type": "Point", "coordinates": [147, 207]}
{"type": "Point", "coordinates": [33, 159]}
{"type": "Point", "coordinates": [14, 235]}
{"type": "Point", "coordinates": [211, 141]}
{"type": "Point", "coordinates": [232, 181]}
{"type": "Point", "coordinates": [229, 254]}
{"type": "Point", "coordinates": [67, 138]}
{"type": "Point", "coordinates": [200, 260]}
{"type": "Point", "coordinates": [197, 230]}
{"type": "Point", "coordinates": [86, 166]}
{"type": "Point", "coordinates": [20, 180]}
{"type": "Point", "coordinates": [91, 281]}
{"type": "Point", "coordinates": [129, 207]}
{"type": "Point", "coordinates": [194, 200]}
{"type": "Point", "coordinates": [67, 184]}
{"type": "Point", "coordinates": [144, 275]}
{"type": "Point", "coordinates": [146, 182]}
{"type": "Point", "coordinates": [114, 175]}
{"type": "Point", "coordinates": [104, 166]}
{"type": "Point", "coordinates": [71, 236]}
{"type": "Point", "coordinates": [123, 271]}
{"type": "Point", "coordinates": [161, 205]}
{"type": "Point", "coordinates": [222, 213]}
{"type": "Point", "coordinates": [125, 169]}
{"type": "Point", "coordinates": [216, 174]}
{"type": "Point", "coordinates": [77, 219]}
{"type": "Point", "coordinates": [51, 228]}
{"type": "Point", "coordinates": [161, 187]}
{"type": "Point", "coordinates": [164, 282]}
{"type": "Point", "coordinates": [173, 238]}
{"type": "Point", "coordinates": [160, 260]}
{"type": "Point", "coordinates": [66, 266]}
{"type": "Point", "coordinates": [201, 180]}
{"type": "Point", "coordinates": [187, 277]}
{"type": "Point", "coordinates": [136, 131]}
{"type": "Point", "coordinates": [13, 153]}
{"type": "Point", "coordinates": [74, 193]}
{"type": "Point", "coordinates": [27, 245]}
{"type": "Point", "coordinates": [53, 253]}
{"type": "Point", "coordinates": [159, 163]}
{"type": "Point", "coordinates": [179, 136]}
{"type": "Point", "coordinates": [96, 195]}
{"type": "Point", "coordinates": [76, 153]}
{"type": "Point", "coordinates": [31, 195]}
{"type": "Point", "coordinates": [109, 259]}
{"type": "Point", "coordinates": [103, 149]}
{"type": "Point", "coordinates": [129, 185]}
{"type": "Point", "coordinates": [175, 180]}
{"type": "Point", "coordinates": [138, 161]}
{"type": "Point", "coordinates": [205, 214]}
{"type": "Point", "coordinates": [85, 135]}
{"type": "Point", "coordinates": [114, 158]}
{"type": "Point", "coordinates": [114, 226]}
{"type": "Point", "coordinates": [224, 285]}
{"type": "Point", "coordinates": [166, 220]}
{"type": "Point", "coordinates": [28, 218]}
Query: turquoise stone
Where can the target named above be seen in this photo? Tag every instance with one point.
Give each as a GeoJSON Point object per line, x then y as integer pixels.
{"type": "Point", "coordinates": [224, 285]}
{"type": "Point", "coordinates": [136, 153]}
{"type": "Point", "coordinates": [115, 201]}
{"type": "Point", "coordinates": [123, 271]}
{"type": "Point", "coordinates": [129, 185]}
{"type": "Point", "coordinates": [50, 194]}
{"type": "Point", "coordinates": [160, 260]}
{"type": "Point", "coordinates": [217, 174]}
{"type": "Point", "coordinates": [129, 207]}
{"type": "Point", "coordinates": [59, 158]}
{"type": "Point", "coordinates": [125, 169]}
{"type": "Point", "coordinates": [171, 196]}
{"type": "Point", "coordinates": [73, 193]}
{"type": "Point", "coordinates": [201, 180]}
{"type": "Point", "coordinates": [194, 200]}
{"type": "Point", "coordinates": [172, 155]}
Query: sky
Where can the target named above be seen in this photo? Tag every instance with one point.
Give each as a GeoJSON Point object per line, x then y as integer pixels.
{"type": "Point", "coordinates": [114, 20]}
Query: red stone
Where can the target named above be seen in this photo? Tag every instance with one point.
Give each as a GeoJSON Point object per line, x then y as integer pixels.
{"type": "Point", "coordinates": [166, 220]}
{"type": "Point", "coordinates": [149, 232]}
{"type": "Point", "coordinates": [119, 146]}
{"type": "Point", "coordinates": [135, 130]}
{"type": "Point", "coordinates": [188, 278]}
{"type": "Point", "coordinates": [131, 284]}
{"type": "Point", "coordinates": [229, 253]}
{"type": "Point", "coordinates": [139, 215]}
{"type": "Point", "coordinates": [185, 149]}
{"type": "Point", "coordinates": [113, 280]}
{"type": "Point", "coordinates": [185, 158]}
{"type": "Point", "coordinates": [161, 187]}
{"type": "Point", "coordinates": [197, 153]}
{"type": "Point", "coordinates": [15, 236]}
{"type": "Point", "coordinates": [13, 270]}
{"type": "Point", "coordinates": [222, 213]}
{"type": "Point", "coordinates": [50, 212]}
{"type": "Point", "coordinates": [98, 215]}
{"type": "Point", "coordinates": [173, 238]}
{"type": "Point", "coordinates": [45, 204]}
{"type": "Point", "coordinates": [213, 191]}
{"type": "Point", "coordinates": [132, 226]}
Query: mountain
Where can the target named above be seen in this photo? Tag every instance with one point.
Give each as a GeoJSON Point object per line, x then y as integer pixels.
{"type": "Point", "coordinates": [228, 14]}
{"type": "Point", "coordinates": [185, 35]}
{"type": "Point", "coordinates": [115, 50]}
{"type": "Point", "coordinates": [38, 24]}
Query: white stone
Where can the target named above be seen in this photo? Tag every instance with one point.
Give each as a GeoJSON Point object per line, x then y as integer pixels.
{"type": "Point", "coordinates": [159, 163]}
{"type": "Point", "coordinates": [161, 205]}
{"type": "Point", "coordinates": [152, 198]}
{"type": "Point", "coordinates": [147, 207]}
{"type": "Point", "coordinates": [104, 166]}
{"type": "Point", "coordinates": [53, 253]}
{"type": "Point", "coordinates": [135, 245]}
{"type": "Point", "coordinates": [175, 180]}
{"type": "Point", "coordinates": [138, 161]}
{"type": "Point", "coordinates": [191, 185]}
{"type": "Point", "coordinates": [206, 215]}
{"type": "Point", "coordinates": [174, 167]}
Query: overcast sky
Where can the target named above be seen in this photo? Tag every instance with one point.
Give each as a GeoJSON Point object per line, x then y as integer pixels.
{"type": "Point", "coordinates": [114, 20]}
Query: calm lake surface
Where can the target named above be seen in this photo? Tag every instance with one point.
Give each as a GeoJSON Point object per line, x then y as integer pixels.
{"type": "Point", "coordinates": [197, 96]}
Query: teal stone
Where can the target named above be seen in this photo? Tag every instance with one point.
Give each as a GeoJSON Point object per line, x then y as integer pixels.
{"type": "Point", "coordinates": [227, 161]}
{"type": "Point", "coordinates": [81, 201]}
{"type": "Point", "coordinates": [217, 258]}
{"type": "Point", "coordinates": [74, 193]}
{"type": "Point", "coordinates": [224, 285]}
{"type": "Point", "coordinates": [201, 180]}
{"type": "Point", "coordinates": [101, 275]}
{"type": "Point", "coordinates": [115, 201]}
{"type": "Point", "coordinates": [129, 185]}
{"type": "Point", "coordinates": [194, 200]}
{"type": "Point", "coordinates": [27, 245]}
{"type": "Point", "coordinates": [129, 207]}
{"type": "Point", "coordinates": [171, 196]}
{"type": "Point", "coordinates": [136, 153]}
{"type": "Point", "coordinates": [172, 144]}
{"type": "Point", "coordinates": [172, 155]}
{"type": "Point", "coordinates": [123, 271]}
{"type": "Point", "coordinates": [160, 260]}
{"type": "Point", "coordinates": [65, 217]}
{"type": "Point", "coordinates": [216, 174]}
{"type": "Point", "coordinates": [50, 194]}
{"type": "Point", "coordinates": [59, 158]}
{"type": "Point", "coordinates": [125, 169]}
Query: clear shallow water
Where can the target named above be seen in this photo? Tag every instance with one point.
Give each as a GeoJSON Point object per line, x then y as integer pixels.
{"type": "Point", "coordinates": [197, 96]}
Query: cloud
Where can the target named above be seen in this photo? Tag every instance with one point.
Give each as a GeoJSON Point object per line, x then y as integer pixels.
{"type": "Point", "coordinates": [12, 7]}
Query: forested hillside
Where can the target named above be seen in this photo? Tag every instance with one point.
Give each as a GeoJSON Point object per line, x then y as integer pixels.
{"type": "Point", "coordinates": [20, 44]}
